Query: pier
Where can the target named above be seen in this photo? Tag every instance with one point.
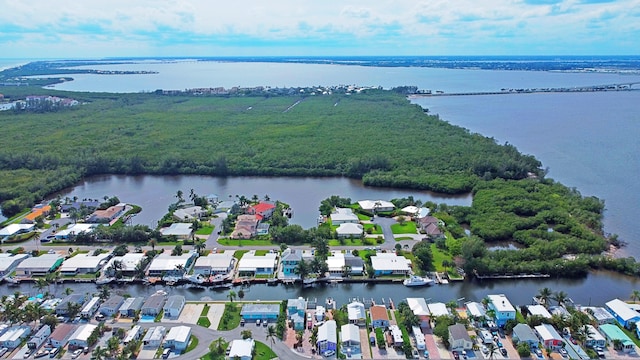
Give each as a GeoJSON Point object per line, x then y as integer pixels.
{"type": "Point", "coordinates": [510, 276]}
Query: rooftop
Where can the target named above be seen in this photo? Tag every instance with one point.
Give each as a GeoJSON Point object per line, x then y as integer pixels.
{"type": "Point", "coordinates": [390, 261]}
{"type": "Point", "coordinates": [250, 261]}
{"type": "Point", "coordinates": [179, 334]}
{"type": "Point", "coordinates": [177, 229]}
{"type": "Point", "coordinates": [15, 228]}
{"type": "Point", "coordinates": [622, 309]}
{"type": "Point", "coordinates": [83, 261]}
{"type": "Point", "coordinates": [501, 303]}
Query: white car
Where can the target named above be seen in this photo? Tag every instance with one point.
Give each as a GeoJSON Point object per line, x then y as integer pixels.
{"type": "Point", "coordinates": [328, 353]}
{"type": "Point", "coordinates": [76, 353]}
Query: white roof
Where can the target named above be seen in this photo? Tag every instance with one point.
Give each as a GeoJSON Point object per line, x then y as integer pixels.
{"type": "Point", "coordinates": [335, 261]}
{"type": "Point", "coordinates": [15, 333]}
{"type": "Point", "coordinates": [177, 229]}
{"type": "Point", "coordinates": [188, 213]}
{"type": "Point", "coordinates": [241, 348]}
{"type": "Point", "coordinates": [76, 229]}
{"type": "Point", "coordinates": [215, 261]}
{"type": "Point", "coordinates": [547, 332]}
{"type": "Point", "coordinates": [594, 334]}
{"type": "Point", "coordinates": [83, 332]}
{"type": "Point", "coordinates": [396, 333]}
{"type": "Point", "coordinates": [411, 209]}
{"type": "Point", "coordinates": [44, 262]}
{"type": "Point", "coordinates": [476, 309]}
{"type": "Point", "coordinates": [356, 311]}
{"type": "Point", "coordinates": [419, 336]}
{"type": "Point", "coordinates": [129, 261]}
{"type": "Point", "coordinates": [14, 228]}
{"type": "Point", "coordinates": [7, 260]}
{"type": "Point", "coordinates": [599, 313]}
{"type": "Point", "coordinates": [350, 332]}
{"type": "Point", "coordinates": [83, 261]}
{"type": "Point", "coordinates": [350, 229]}
{"type": "Point", "coordinates": [622, 309]}
{"type": "Point", "coordinates": [390, 261]}
{"type": "Point", "coordinates": [418, 306]}
{"type": "Point", "coordinates": [539, 310]}
{"type": "Point", "coordinates": [132, 333]}
{"type": "Point", "coordinates": [438, 309]}
{"type": "Point", "coordinates": [501, 303]}
{"type": "Point", "coordinates": [179, 334]}
{"type": "Point", "coordinates": [343, 214]}
{"type": "Point", "coordinates": [90, 304]}
{"type": "Point", "coordinates": [166, 262]}
{"type": "Point", "coordinates": [250, 261]}
{"type": "Point", "coordinates": [155, 333]}
{"type": "Point", "coordinates": [328, 332]}
{"type": "Point", "coordinates": [371, 204]}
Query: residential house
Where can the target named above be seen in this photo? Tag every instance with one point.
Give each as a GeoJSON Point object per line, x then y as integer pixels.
{"type": "Point", "coordinates": [181, 231]}
{"type": "Point", "coordinates": [349, 230]}
{"type": "Point", "coordinates": [262, 229]}
{"type": "Point", "coordinates": [263, 209]}
{"type": "Point", "coordinates": [16, 229]}
{"type": "Point", "coordinates": [320, 313]}
{"type": "Point", "coordinates": [78, 205]}
{"type": "Point", "coordinates": [190, 213]}
{"type": "Point", "coordinates": [178, 338]}
{"type": "Point", "coordinates": [296, 306]}
{"type": "Point", "coordinates": [254, 312]}
{"type": "Point", "coordinates": [539, 310]}
{"type": "Point", "coordinates": [251, 264]}
{"type": "Point", "coordinates": [594, 338]}
{"type": "Point", "coordinates": [174, 305]}
{"type": "Point", "coordinates": [290, 259]}
{"type": "Point", "coordinates": [153, 305]}
{"type": "Point", "coordinates": [9, 262]}
{"type": "Point", "coordinates": [74, 230]}
{"type": "Point", "coordinates": [503, 310]}
{"type": "Point", "coordinates": [350, 340]}
{"type": "Point", "coordinates": [343, 216]}
{"type": "Point", "coordinates": [438, 309]}
{"type": "Point", "coordinates": [623, 314]}
{"type": "Point", "coordinates": [599, 314]}
{"type": "Point", "coordinates": [459, 337]}
{"type": "Point", "coordinates": [63, 306]}
{"type": "Point", "coordinates": [241, 349]}
{"type": "Point", "coordinates": [85, 263]}
{"type": "Point", "coordinates": [39, 337]}
{"type": "Point", "coordinates": [14, 336]}
{"type": "Point", "coordinates": [112, 305]}
{"type": "Point", "coordinates": [390, 264]}
{"type": "Point", "coordinates": [36, 212]}
{"type": "Point", "coordinates": [128, 264]}
{"type": "Point", "coordinates": [133, 334]}
{"type": "Point", "coordinates": [131, 306]}
{"type": "Point", "coordinates": [80, 338]}
{"type": "Point", "coordinates": [167, 265]}
{"type": "Point", "coordinates": [394, 336]}
{"type": "Point", "coordinates": [90, 308]}
{"type": "Point", "coordinates": [613, 334]}
{"type": "Point", "coordinates": [39, 265]}
{"type": "Point", "coordinates": [214, 264]}
{"type": "Point", "coordinates": [355, 263]}
{"type": "Point", "coordinates": [548, 336]}
{"type": "Point", "coordinates": [60, 336]}
{"type": "Point", "coordinates": [476, 313]}
{"type": "Point", "coordinates": [153, 338]}
{"type": "Point", "coordinates": [379, 316]}
{"type": "Point", "coordinates": [107, 215]}
{"type": "Point", "coordinates": [356, 313]}
{"type": "Point", "coordinates": [327, 337]}
{"type": "Point", "coordinates": [524, 333]}
{"type": "Point", "coordinates": [375, 206]}
{"type": "Point", "coordinates": [431, 226]}
{"type": "Point", "coordinates": [420, 309]}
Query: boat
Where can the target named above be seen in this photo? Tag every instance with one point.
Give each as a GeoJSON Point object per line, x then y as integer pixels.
{"type": "Point", "coordinates": [414, 280]}
{"type": "Point", "coordinates": [272, 282]}
{"type": "Point", "coordinates": [104, 280]}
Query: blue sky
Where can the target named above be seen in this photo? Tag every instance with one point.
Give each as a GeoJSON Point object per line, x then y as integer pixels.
{"type": "Point", "coordinates": [91, 28]}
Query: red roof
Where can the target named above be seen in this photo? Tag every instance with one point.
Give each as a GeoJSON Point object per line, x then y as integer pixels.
{"type": "Point", "coordinates": [262, 207]}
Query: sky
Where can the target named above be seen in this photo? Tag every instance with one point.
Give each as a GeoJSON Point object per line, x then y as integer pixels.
{"type": "Point", "coordinates": [144, 28]}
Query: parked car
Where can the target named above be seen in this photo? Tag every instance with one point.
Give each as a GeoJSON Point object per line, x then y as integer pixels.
{"type": "Point", "coordinates": [265, 323]}
{"type": "Point", "coordinates": [76, 353]}
{"type": "Point", "coordinates": [538, 353]}
{"type": "Point", "coordinates": [258, 322]}
{"type": "Point", "coordinates": [485, 349]}
{"type": "Point", "coordinates": [503, 351]}
{"type": "Point", "coordinates": [564, 352]}
{"type": "Point", "coordinates": [3, 351]}
{"type": "Point", "coordinates": [241, 322]}
{"type": "Point", "coordinates": [328, 353]}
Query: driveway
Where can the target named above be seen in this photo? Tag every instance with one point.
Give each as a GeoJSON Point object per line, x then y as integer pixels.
{"type": "Point", "coordinates": [389, 239]}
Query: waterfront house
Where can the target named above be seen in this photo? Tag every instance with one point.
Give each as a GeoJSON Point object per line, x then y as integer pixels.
{"type": "Point", "coordinates": [246, 227]}
{"type": "Point", "coordinates": [476, 313]}
{"type": "Point", "coordinates": [80, 338]}
{"type": "Point", "coordinates": [74, 230]}
{"type": "Point", "coordinates": [9, 262]}
{"type": "Point", "coordinates": [63, 306]}
{"type": "Point", "coordinates": [16, 229]}
{"type": "Point", "coordinates": [539, 310]}
{"type": "Point", "coordinates": [290, 259]}
{"type": "Point", "coordinates": [174, 305]}
{"type": "Point", "coordinates": [355, 263]}
{"type": "Point", "coordinates": [327, 337]}
{"type": "Point", "coordinates": [394, 336]}
{"type": "Point", "coordinates": [390, 264]}
{"type": "Point", "coordinates": [438, 309]}
{"type": "Point", "coordinates": [131, 306]}
{"type": "Point", "coordinates": [178, 338]}
{"type": "Point", "coordinates": [356, 313]}
{"type": "Point", "coordinates": [431, 226]}
{"type": "Point", "coordinates": [181, 231]}
{"type": "Point", "coordinates": [89, 204]}
{"type": "Point", "coordinates": [189, 214]}
{"type": "Point", "coordinates": [420, 309]}
{"type": "Point", "coordinates": [14, 336]}
{"type": "Point", "coordinates": [599, 314]}
{"type": "Point", "coordinates": [594, 338]}
{"type": "Point", "coordinates": [39, 337]}
{"type": "Point", "coordinates": [251, 264]}
{"type": "Point", "coordinates": [374, 206]}
{"type": "Point", "coordinates": [296, 306]}
{"type": "Point", "coordinates": [548, 336]}
{"type": "Point", "coordinates": [107, 215]}
{"type": "Point", "coordinates": [60, 336]}
{"type": "Point", "coordinates": [40, 210]}
{"type": "Point", "coordinates": [524, 333]}
{"type": "Point", "coordinates": [349, 230]}
{"type": "Point", "coordinates": [167, 265]}
{"type": "Point", "coordinates": [262, 229]}
{"type": "Point", "coordinates": [503, 310]}
{"type": "Point", "coordinates": [153, 305]}
{"type": "Point", "coordinates": [623, 314]}
{"type": "Point", "coordinates": [85, 263]}
{"type": "Point", "coordinates": [264, 210]}
{"type": "Point", "coordinates": [90, 308]}
{"type": "Point", "coordinates": [254, 312]}
{"type": "Point", "coordinates": [241, 349]}
{"type": "Point", "coordinates": [350, 340]}
{"type": "Point", "coordinates": [153, 338]}
{"type": "Point", "coordinates": [459, 337]}
{"type": "Point", "coordinates": [320, 313]}
{"type": "Point", "coordinates": [39, 265]}
{"type": "Point", "coordinates": [128, 263]}
{"type": "Point", "coordinates": [379, 316]}
{"type": "Point", "coordinates": [613, 333]}
{"type": "Point", "coordinates": [419, 338]}
{"type": "Point", "coordinates": [343, 216]}
{"type": "Point", "coordinates": [133, 334]}
{"type": "Point", "coordinates": [214, 263]}
{"type": "Point", "coordinates": [112, 305]}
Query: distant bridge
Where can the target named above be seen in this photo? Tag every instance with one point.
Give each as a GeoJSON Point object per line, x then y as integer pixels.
{"type": "Point", "coordinates": [628, 86]}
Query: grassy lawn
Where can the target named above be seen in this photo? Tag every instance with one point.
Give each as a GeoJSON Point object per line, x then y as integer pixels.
{"type": "Point", "coordinates": [363, 217]}
{"type": "Point", "coordinates": [205, 230]}
{"type": "Point", "coordinates": [438, 256]}
{"type": "Point", "coordinates": [230, 318]}
{"type": "Point", "coordinates": [400, 238]}
{"type": "Point", "coordinates": [250, 242]}
{"type": "Point", "coordinates": [346, 242]}
{"type": "Point", "coordinates": [204, 321]}
{"type": "Point", "coordinates": [262, 252]}
{"type": "Point", "coordinates": [264, 352]}
{"type": "Point", "coordinates": [205, 310]}
{"type": "Point", "coordinates": [376, 228]}
{"type": "Point", "coordinates": [192, 344]}
{"type": "Point", "coordinates": [238, 254]}
{"type": "Point", "coordinates": [409, 227]}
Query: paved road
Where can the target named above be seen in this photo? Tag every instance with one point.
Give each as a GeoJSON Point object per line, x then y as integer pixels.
{"type": "Point", "coordinates": [385, 223]}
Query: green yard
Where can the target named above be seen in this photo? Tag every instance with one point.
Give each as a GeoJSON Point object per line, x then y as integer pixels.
{"type": "Point", "coordinates": [408, 227]}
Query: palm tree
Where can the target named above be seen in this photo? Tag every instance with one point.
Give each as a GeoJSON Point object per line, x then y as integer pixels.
{"type": "Point", "coordinates": [41, 283]}
{"type": "Point", "coordinates": [493, 350]}
{"type": "Point", "coordinates": [561, 297]}
{"type": "Point", "coordinates": [113, 346]}
{"type": "Point", "coordinates": [99, 353]}
{"type": "Point", "coordinates": [218, 345]}
{"type": "Point", "coordinates": [231, 295]}
{"type": "Point", "coordinates": [255, 198]}
{"type": "Point", "coordinates": [153, 242]}
{"type": "Point", "coordinates": [68, 291]}
{"type": "Point", "coordinates": [179, 194]}
{"type": "Point", "coordinates": [198, 246]}
{"type": "Point", "coordinates": [246, 334]}
{"type": "Point", "coordinates": [302, 270]}
{"type": "Point", "coordinates": [104, 293]}
{"type": "Point", "coordinates": [271, 334]}
{"type": "Point", "coordinates": [544, 295]}
{"type": "Point", "coordinates": [635, 295]}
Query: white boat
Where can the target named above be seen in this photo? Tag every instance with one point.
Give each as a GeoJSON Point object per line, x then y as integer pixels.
{"type": "Point", "coordinates": [414, 280]}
